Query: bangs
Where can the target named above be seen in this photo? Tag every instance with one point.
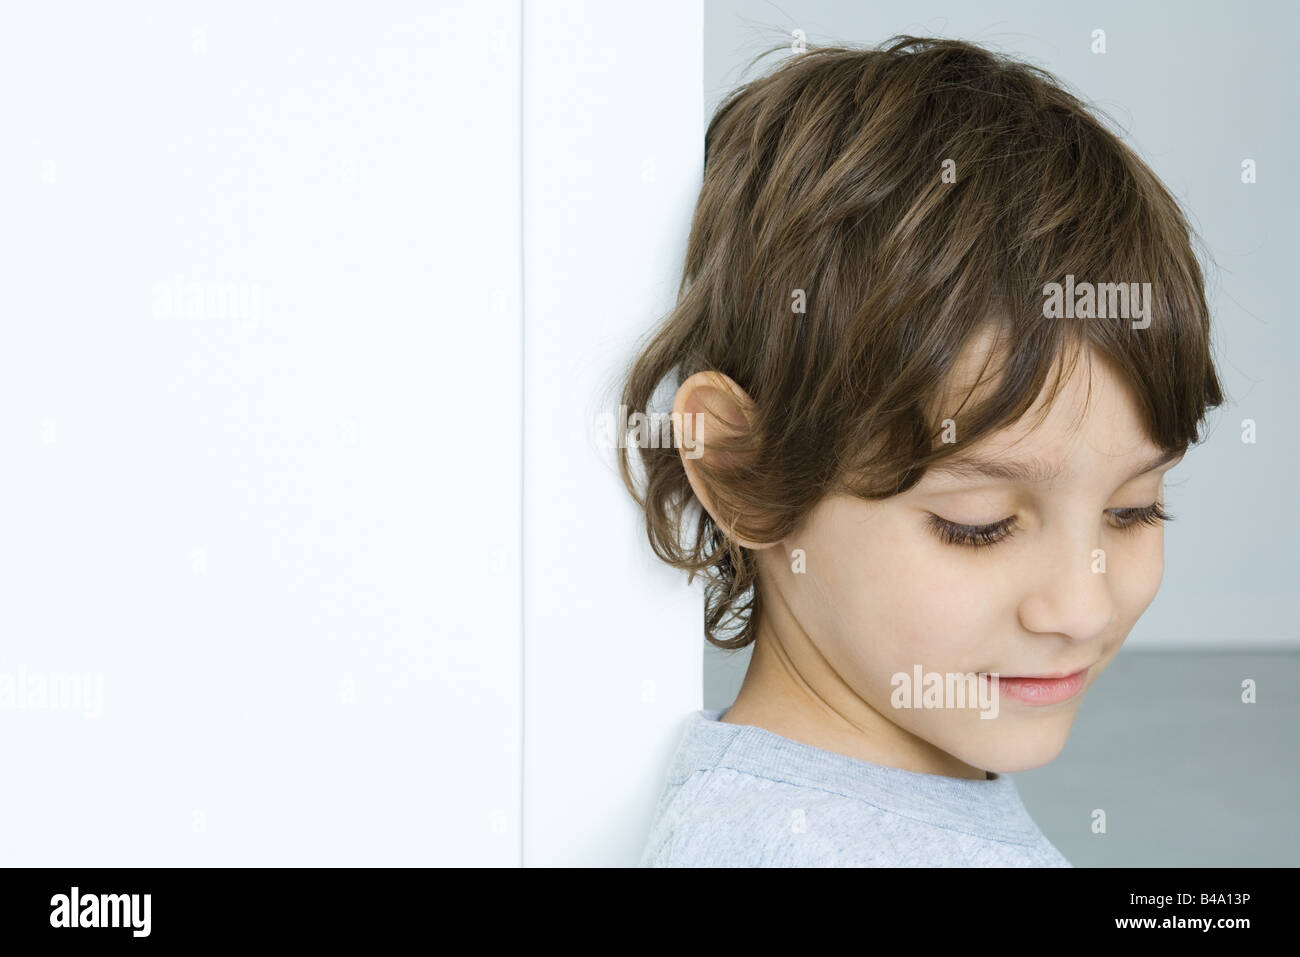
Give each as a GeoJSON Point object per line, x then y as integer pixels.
{"type": "Point", "coordinates": [1065, 244]}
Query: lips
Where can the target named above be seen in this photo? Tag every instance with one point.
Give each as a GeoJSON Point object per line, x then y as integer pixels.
{"type": "Point", "coordinates": [1041, 689]}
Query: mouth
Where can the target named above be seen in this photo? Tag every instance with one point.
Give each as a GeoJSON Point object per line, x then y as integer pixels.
{"type": "Point", "coordinates": [1041, 689]}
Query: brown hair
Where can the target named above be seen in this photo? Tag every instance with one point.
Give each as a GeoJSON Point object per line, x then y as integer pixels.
{"type": "Point", "coordinates": [826, 176]}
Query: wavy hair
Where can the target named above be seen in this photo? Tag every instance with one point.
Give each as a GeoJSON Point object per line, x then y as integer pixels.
{"type": "Point", "coordinates": [914, 194]}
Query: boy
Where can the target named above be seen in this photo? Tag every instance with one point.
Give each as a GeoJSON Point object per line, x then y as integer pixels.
{"type": "Point", "coordinates": [940, 336]}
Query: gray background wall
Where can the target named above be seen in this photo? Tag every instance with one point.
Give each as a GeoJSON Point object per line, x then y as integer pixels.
{"type": "Point", "coordinates": [1186, 772]}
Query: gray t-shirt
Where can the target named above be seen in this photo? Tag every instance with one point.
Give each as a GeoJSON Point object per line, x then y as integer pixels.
{"type": "Point", "coordinates": [742, 796]}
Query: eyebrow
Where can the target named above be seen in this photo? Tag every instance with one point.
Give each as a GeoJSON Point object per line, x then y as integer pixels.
{"type": "Point", "coordinates": [1032, 471]}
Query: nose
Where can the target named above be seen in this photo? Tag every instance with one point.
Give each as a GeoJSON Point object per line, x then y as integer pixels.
{"type": "Point", "coordinates": [1069, 593]}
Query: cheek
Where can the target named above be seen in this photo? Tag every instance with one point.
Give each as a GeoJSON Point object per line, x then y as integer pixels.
{"type": "Point", "coordinates": [898, 600]}
{"type": "Point", "coordinates": [1141, 569]}
{"type": "Point", "coordinates": [958, 603]}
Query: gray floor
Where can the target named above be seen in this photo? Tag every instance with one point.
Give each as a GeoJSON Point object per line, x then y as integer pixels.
{"type": "Point", "coordinates": [1186, 773]}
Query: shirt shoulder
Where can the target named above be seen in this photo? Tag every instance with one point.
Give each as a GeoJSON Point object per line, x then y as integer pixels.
{"type": "Point", "coordinates": [723, 817]}
{"type": "Point", "coordinates": [727, 804]}
{"type": "Point", "coordinates": [729, 818]}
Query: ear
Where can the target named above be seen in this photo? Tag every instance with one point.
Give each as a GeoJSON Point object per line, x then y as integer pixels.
{"type": "Point", "coordinates": [708, 405]}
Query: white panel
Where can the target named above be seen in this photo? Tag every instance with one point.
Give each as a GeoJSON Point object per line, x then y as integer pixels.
{"type": "Point", "coordinates": [287, 540]}
{"type": "Point", "coordinates": [613, 147]}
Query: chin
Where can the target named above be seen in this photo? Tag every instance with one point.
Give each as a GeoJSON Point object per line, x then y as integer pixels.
{"type": "Point", "coordinates": [1019, 746]}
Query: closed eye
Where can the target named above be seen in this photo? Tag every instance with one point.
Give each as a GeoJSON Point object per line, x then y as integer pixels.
{"type": "Point", "coordinates": [1152, 514]}
{"type": "Point", "coordinates": [982, 536]}
{"type": "Point", "coordinates": [973, 536]}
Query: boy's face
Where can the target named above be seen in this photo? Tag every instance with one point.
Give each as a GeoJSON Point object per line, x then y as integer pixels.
{"type": "Point", "coordinates": [882, 594]}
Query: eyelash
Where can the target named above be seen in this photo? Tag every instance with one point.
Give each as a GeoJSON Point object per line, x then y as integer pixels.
{"type": "Point", "coordinates": [982, 536]}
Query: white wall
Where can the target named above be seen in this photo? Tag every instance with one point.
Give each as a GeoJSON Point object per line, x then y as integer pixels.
{"type": "Point", "coordinates": [295, 543]}
{"type": "Point", "coordinates": [614, 154]}
{"type": "Point", "coordinates": [288, 541]}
